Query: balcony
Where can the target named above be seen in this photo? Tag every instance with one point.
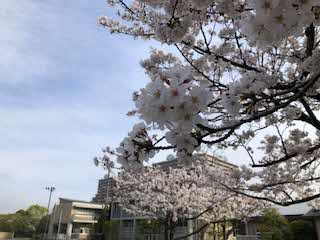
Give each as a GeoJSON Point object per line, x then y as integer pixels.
{"type": "Point", "coordinates": [84, 218]}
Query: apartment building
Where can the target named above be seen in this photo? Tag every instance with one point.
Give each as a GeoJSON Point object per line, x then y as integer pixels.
{"type": "Point", "coordinates": [105, 186]}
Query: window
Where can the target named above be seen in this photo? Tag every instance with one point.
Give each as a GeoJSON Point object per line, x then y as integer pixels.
{"type": "Point", "coordinates": [127, 223]}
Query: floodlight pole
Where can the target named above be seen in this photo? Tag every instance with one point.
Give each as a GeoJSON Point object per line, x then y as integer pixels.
{"type": "Point", "coordinates": [45, 234]}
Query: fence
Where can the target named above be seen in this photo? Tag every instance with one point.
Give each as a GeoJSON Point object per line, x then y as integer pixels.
{"type": "Point", "coordinates": [152, 237]}
{"type": "Point", "coordinates": [248, 237]}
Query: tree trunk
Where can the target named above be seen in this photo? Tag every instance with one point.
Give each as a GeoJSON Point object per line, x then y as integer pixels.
{"type": "Point", "coordinates": [171, 236]}
{"type": "Point", "coordinates": [246, 227]}
{"type": "Point", "coordinates": [172, 230]}
{"type": "Point", "coordinates": [166, 229]}
{"type": "Point", "coordinates": [214, 231]}
{"type": "Point", "coordinates": [224, 231]}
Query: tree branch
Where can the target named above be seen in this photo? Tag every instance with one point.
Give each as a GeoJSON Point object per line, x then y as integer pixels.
{"type": "Point", "coordinates": [287, 157]}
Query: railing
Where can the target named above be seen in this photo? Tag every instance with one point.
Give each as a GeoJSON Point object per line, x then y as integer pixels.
{"type": "Point", "coordinates": [248, 237]}
{"type": "Point", "coordinates": [60, 236]}
{"type": "Point", "coordinates": [126, 234]}
{"type": "Point", "coordinates": [83, 217]}
{"type": "Point", "coordinates": [152, 237]}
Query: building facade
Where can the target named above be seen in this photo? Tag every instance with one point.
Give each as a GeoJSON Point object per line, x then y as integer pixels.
{"type": "Point", "coordinates": [174, 163]}
{"type": "Point", "coordinates": [105, 187]}
{"type": "Point", "coordinates": [73, 219]}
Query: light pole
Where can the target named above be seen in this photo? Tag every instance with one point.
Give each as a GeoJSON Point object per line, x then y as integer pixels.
{"type": "Point", "coordinates": [50, 189]}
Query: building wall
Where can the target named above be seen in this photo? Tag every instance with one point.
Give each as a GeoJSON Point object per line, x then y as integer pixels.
{"type": "Point", "coordinates": [104, 185]}
{"type": "Point", "coordinates": [218, 162]}
{"type": "Point", "coordinates": [69, 216]}
{"type": "Point", "coordinates": [63, 209]}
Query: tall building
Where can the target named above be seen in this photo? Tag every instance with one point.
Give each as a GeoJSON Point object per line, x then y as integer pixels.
{"type": "Point", "coordinates": [105, 185]}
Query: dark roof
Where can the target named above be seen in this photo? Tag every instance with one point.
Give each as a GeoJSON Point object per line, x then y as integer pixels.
{"type": "Point", "coordinates": [313, 213]}
{"type": "Point", "coordinates": [75, 200]}
{"type": "Point", "coordinates": [166, 163]}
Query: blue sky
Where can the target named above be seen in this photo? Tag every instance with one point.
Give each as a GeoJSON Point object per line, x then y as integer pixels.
{"type": "Point", "coordinates": [65, 89]}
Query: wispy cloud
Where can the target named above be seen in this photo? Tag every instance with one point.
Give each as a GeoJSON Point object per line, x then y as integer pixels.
{"type": "Point", "coordinates": [21, 57]}
{"type": "Point", "coordinates": [65, 89]}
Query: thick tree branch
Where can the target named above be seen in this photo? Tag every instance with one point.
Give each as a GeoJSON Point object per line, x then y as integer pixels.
{"type": "Point", "coordinates": [269, 111]}
{"type": "Point", "coordinates": [287, 157]}
{"type": "Point", "coordinates": [288, 203]}
{"type": "Point", "coordinates": [310, 35]}
{"type": "Point", "coordinates": [315, 122]}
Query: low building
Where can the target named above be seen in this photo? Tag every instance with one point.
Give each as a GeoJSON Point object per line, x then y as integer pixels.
{"type": "Point", "coordinates": [298, 212]}
{"type": "Point", "coordinates": [73, 219]}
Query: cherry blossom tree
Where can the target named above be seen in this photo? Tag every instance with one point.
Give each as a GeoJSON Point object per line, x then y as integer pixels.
{"type": "Point", "coordinates": [241, 74]}
{"type": "Point", "coordinates": [189, 192]}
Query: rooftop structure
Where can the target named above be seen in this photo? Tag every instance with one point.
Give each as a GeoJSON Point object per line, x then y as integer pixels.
{"type": "Point", "coordinates": [175, 163]}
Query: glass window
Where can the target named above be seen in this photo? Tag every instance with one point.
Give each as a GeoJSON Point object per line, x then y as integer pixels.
{"type": "Point", "coordinates": [127, 223]}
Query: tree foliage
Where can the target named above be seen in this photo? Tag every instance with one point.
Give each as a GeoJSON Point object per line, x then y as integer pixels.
{"type": "Point", "coordinates": [190, 192]}
{"type": "Point", "coordinates": [23, 223]}
{"type": "Point", "coordinates": [275, 226]}
{"type": "Point", "coordinates": [302, 230]}
{"type": "Point", "coordinates": [238, 73]}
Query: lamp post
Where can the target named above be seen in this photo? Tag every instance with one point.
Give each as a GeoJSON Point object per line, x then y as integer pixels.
{"type": "Point", "coordinates": [50, 189]}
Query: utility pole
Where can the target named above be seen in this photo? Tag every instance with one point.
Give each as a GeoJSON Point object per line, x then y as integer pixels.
{"type": "Point", "coordinates": [50, 189]}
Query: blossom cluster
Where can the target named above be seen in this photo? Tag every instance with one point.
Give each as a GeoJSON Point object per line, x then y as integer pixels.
{"type": "Point", "coordinates": [173, 98]}
{"type": "Point", "coordinates": [190, 191]}
{"type": "Point", "coordinates": [132, 150]}
{"type": "Point", "coordinates": [174, 102]}
{"type": "Point", "coordinates": [274, 20]}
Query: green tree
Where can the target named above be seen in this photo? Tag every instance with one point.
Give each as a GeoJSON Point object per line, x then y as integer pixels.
{"type": "Point", "coordinates": [37, 212]}
{"type": "Point", "coordinates": [23, 223]}
{"type": "Point", "coordinates": [41, 227]}
{"type": "Point", "coordinates": [111, 229]}
{"type": "Point", "coordinates": [275, 226]}
{"type": "Point", "coordinates": [302, 230]}
{"type": "Point", "coordinates": [149, 226]}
